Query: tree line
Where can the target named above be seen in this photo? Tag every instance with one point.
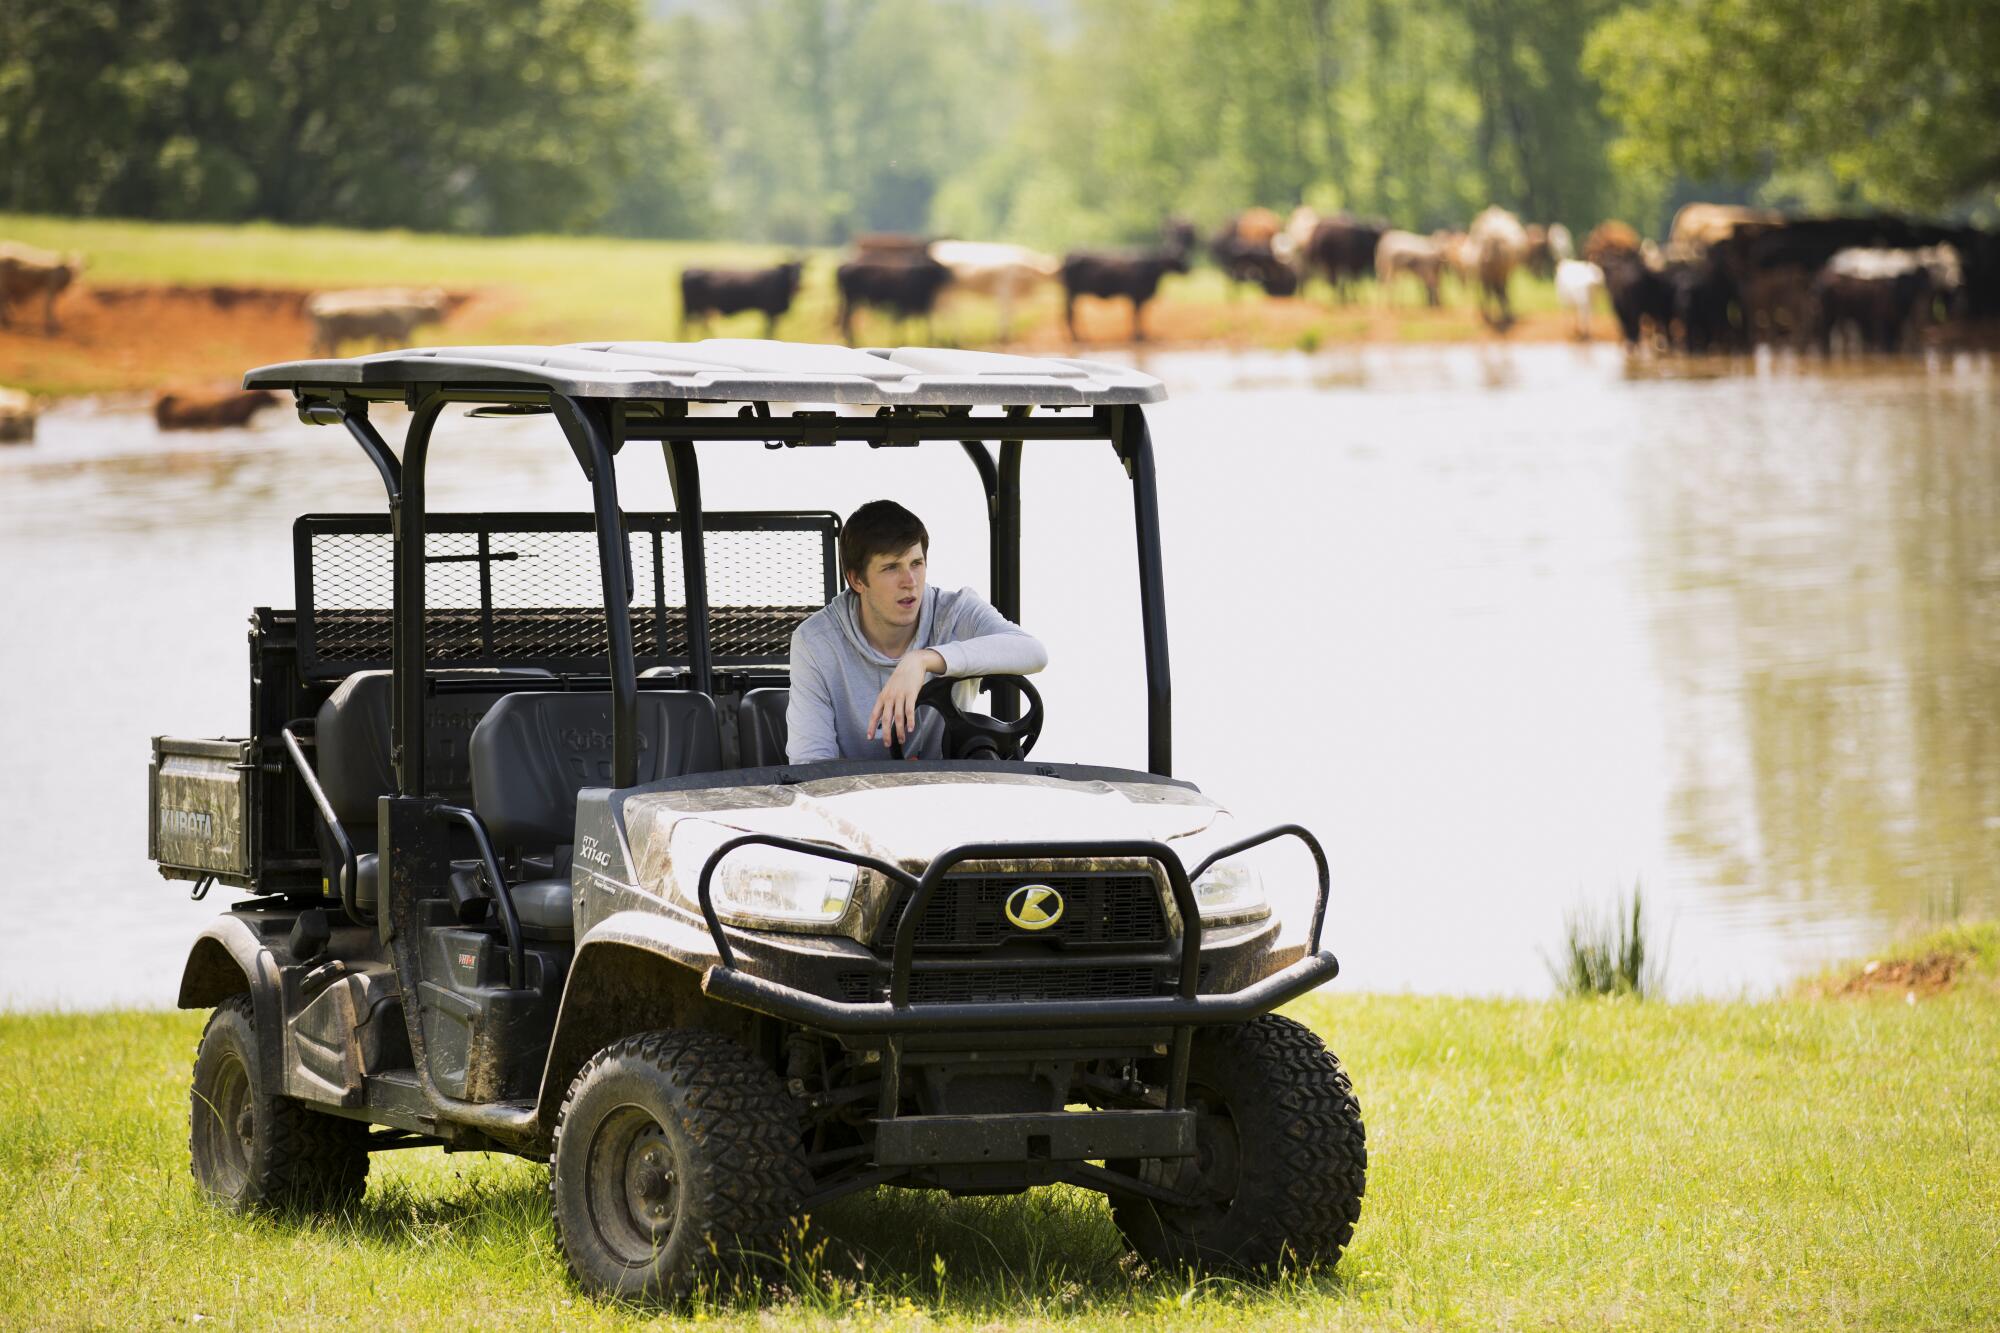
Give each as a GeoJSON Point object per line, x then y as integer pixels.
{"type": "Point", "coordinates": [1055, 123]}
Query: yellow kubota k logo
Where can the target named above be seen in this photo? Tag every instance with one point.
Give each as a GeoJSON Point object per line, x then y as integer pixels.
{"type": "Point", "coordinates": [1034, 907]}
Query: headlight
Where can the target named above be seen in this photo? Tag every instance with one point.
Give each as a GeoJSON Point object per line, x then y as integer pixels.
{"type": "Point", "coordinates": [761, 886]}
{"type": "Point", "coordinates": [1231, 890]}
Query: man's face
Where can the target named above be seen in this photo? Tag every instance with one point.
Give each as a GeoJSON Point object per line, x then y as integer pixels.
{"type": "Point", "coordinates": [893, 592]}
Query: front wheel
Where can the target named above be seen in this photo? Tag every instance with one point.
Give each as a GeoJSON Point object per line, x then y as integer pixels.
{"type": "Point", "coordinates": [250, 1149]}
{"type": "Point", "coordinates": [677, 1165]}
{"type": "Point", "coordinates": [1281, 1158]}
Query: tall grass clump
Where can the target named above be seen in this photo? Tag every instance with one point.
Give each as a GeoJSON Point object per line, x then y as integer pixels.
{"type": "Point", "coordinates": [1607, 953]}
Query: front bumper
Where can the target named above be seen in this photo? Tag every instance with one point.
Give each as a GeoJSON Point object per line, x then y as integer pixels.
{"type": "Point", "coordinates": [898, 1015]}
{"type": "Point", "coordinates": [734, 986]}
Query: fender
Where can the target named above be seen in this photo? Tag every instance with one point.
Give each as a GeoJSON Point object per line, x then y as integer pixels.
{"type": "Point", "coordinates": [228, 959]}
{"type": "Point", "coordinates": [635, 971]}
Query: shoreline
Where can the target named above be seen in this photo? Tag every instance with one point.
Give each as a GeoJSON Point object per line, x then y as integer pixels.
{"type": "Point", "coordinates": [140, 338]}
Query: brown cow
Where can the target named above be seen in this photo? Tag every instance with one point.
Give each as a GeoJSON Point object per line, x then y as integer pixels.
{"type": "Point", "coordinates": [1609, 240]}
{"type": "Point", "coordinates": [26, 272]}
{"type": "Point", "coordinates": [197, 410]}
{"type": "Point", "coordinates": [1500, 244]}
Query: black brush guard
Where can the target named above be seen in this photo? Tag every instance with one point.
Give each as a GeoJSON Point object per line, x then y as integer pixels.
{"type": "Point", "coordinates": [898, 1017]}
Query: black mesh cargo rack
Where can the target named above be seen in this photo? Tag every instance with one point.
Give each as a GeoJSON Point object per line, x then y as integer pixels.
{"type": "Point", "coordinates": [522, 590]}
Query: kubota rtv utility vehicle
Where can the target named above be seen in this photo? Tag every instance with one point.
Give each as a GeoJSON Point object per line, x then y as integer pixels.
{"type": "Point", "coordinates": [529, 871]}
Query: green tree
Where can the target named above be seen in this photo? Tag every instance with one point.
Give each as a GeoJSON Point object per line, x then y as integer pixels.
{"type": "Point", "coordinates": [488, 115]}
{"type": "Point", "coordinates": [1897, 102]}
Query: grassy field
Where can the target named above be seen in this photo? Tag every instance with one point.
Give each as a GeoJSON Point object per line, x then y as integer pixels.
{"type": "Point", "coordinates": [1804, 1162]}
{"type": "Point", "coordinates": [564, 289]}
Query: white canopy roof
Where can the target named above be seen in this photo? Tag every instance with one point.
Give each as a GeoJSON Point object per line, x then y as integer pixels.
{"type": "Point", "coordinates": [738, 370]}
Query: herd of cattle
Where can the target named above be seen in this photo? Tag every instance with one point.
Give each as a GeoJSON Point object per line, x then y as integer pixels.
{"type": "Point", "coordinates": [1727, 279]}
{"type": "Point", "coordinates": [1730, 279]}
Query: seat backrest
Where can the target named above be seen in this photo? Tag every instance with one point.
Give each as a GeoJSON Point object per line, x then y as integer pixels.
{"type": "Point", "coordinates": [353, 759]}
{"type": "Point", "coordinates": [760, 726]}
{"type": "Point", "coordinates": [534, 751]}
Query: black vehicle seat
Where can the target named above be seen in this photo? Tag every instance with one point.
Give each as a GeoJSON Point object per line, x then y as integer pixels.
{"type": "Point", "coordinates": [760, 726]}
{"type": "Point", "coordinates": [353, 757]}
{"type": "Point", "coordinates": [534, 751]}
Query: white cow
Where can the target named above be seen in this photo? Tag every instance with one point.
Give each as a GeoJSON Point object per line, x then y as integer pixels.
{"type": "Point", "coordinates": [1577, 281]}
{"type": "Point", "coordinates": [996, 269]}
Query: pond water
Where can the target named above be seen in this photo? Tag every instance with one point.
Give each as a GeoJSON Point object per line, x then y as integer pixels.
{"type": "Point", "coordinates": [1513, 629]}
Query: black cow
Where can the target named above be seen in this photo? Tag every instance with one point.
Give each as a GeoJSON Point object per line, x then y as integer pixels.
{"type": "Point", "coordinates": [1880, 309]}
{"type": "Point", "coordinates": [1135, 277]}
{"type": "Point", "coordinates": [1343, 248]}
{"type": "Point", "coordinates": [1254, 261]}
{"type": "Point", "coordinates": [905, 288]}
{"type": "Point", "coordinates": [1637, 294]}
{"type": "Point", "coordinates": [729, 291]}
{"type": "Point", "coordinates": [1707, 307]}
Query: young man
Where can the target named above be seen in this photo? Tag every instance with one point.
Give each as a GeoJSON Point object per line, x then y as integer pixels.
{"type": "Point", "coordinates": [859, 661]}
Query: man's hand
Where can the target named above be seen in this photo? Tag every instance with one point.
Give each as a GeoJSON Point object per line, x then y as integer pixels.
{"type": "Point", "coordinates": [895, 710]}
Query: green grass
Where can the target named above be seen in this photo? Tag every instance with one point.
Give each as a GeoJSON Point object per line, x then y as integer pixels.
{"type": "Point", "coordinates": [549, 286]}
{"type": "Point", "coordinates": [1781, 1164]}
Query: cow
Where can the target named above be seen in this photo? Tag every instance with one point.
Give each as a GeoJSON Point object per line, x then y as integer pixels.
{"type": "Point", "coordinates": [1577, 282]}
{"type": "Point", "coordinates": [26, 273]}
{"type": "Point", "coordinates": [388, 316]}
{"type": "Point", "coordinates": [1247, 250]}
{"type": "Point", "coordinates": [17, 417]}
{"type": "Point", "coordinates": [1608, 240]}
{"type": "Point", "coordinates": [1343, 249]}
{"type": "Point", "coordinates": [196, 410]}
{"type": "Point", "coordinates": [1405, 252]}
{"type": "Point", "coordinates": [1881, 294]}
{"type": "Point", "coordinates": [1499, 243]}
{"type": "Point", "coordinates": [706, 292]}
{"type": "Point", "coordinates": [1640, 294]}
{"type": "Point", "coordinates": [1696, 227]}
{"type": "Point", "coordinates": [1255, 262]}
{"type": "Point", "coordinates": [1547, 247]}
{"type": "Point", "coordinates": [1006, 273]}
{"type": "Point", "coordinates": [1136, 278]}
{"type": "Point", "coordinates": [906, 288]}
{"type": "Point", "coordinates": [1707, 306]}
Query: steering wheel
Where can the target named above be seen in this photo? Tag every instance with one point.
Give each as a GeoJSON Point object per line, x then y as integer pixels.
{"type": "Point", "coordinates": [977, 735]}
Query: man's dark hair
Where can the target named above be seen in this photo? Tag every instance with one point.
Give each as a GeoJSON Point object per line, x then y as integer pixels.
{"type": "Point", "coordinates": [880, 527]}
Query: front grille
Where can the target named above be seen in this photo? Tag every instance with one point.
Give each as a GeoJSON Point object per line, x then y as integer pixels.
{"type": "Point", "coordinates": [1012, 983]}
{"type": "Point", "coordinates": [1100, 907]}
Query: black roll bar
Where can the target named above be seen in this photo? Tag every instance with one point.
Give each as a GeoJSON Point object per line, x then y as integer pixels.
{"type": "Point", "coordinates": [589, 436]}
{"type": "Point", "coordinates": [350, 863]}
{"type": "Point", "coordinates": [595, 433]}
{"type": "Point", "coordinates": [684, 476]}
{"type": "Point", "coordinates": [1134, 443]}
{"type": "Point", "coordinates": [502, 893]}
{"type": "Point", "coordinates": [406, 721]}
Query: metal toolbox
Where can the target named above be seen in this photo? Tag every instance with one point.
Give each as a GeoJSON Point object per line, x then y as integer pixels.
{"type": "Point", "coordinates": [202, 793]}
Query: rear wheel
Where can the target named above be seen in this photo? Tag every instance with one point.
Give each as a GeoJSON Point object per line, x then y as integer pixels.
{"type": "Point", "coordinates": [251, 1149]}
{"type": "Point", "coordinates": [678, 1166]}
{"type": "Point", "coordinates": [1281, 1157]}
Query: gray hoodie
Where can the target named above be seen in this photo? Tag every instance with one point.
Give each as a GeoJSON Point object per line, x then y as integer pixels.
{"type": "Point", "coordinates": [837, 673]}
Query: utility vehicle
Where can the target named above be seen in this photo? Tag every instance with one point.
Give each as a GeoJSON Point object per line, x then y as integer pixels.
{"type": "Point", "coordinates": [530, 872]}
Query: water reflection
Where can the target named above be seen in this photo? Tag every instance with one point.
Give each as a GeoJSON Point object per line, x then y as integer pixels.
{"type": "Point", "coordinates": [1511, 627]}
{"type": "Point", "coordinates": [1829, 626]}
